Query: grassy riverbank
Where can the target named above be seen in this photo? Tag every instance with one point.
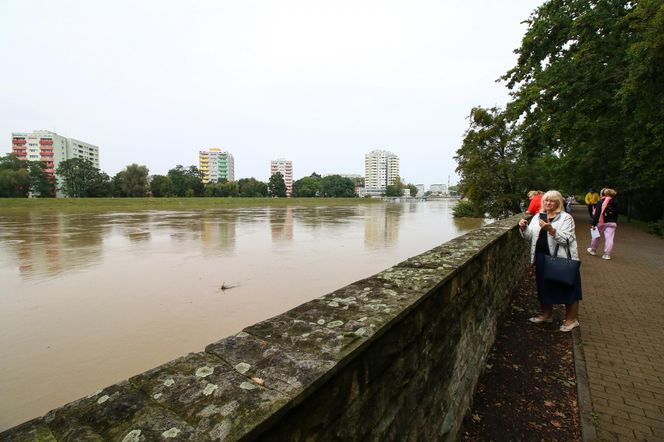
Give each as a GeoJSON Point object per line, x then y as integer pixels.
{"type": "Point", "coordinates": [113, 204]}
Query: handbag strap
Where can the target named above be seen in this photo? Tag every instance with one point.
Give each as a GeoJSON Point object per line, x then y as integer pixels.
{"type": "Point", "coordinates": [555, 252]}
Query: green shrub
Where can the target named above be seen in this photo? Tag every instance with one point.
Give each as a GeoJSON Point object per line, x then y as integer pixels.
{"type": "Point", "coordinates": [465, 209]}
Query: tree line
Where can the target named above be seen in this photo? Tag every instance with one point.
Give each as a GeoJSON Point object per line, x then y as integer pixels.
{"type": "Point", "coordinates": [586, 110]}
{"type": "Point", "coordinates": [78, 178]}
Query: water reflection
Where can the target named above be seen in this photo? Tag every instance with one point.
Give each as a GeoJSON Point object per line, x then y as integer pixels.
{"type": "Point", "coordinates": [381, 226]}
{"type": "Point", "coordinates": [281, 224]}
{"type": "Point", "coordinates": [141, 288]}
{"type": "Point", "coordinates": [48, 244]}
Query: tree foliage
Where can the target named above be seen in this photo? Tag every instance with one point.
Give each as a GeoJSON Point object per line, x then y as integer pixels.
{"type": "Point", "coordinates": [161, 186]}
{"type": "Point", "coordinates": [336, 186]}
{"type": "Point", "coordinates": [79, 178]}
{"type": "Point", "coordinates": [223, 188]}
{"type": "Point", "coordinates": [251, 187]}
{"type": "Point", "coordinates": [488, 164]}
{"type": "Point", "coordinates": [587, 104]}
{"type": "Point", "coordinates": [276, 186]}
{"type": "Point", "coordinates": [134, 181]}
{"type": "Point", "coordinates": [14, 177]}
{"type": "Point", "coordinates": [309, 186]}
{"type": "Point", "coordinates": [186, 182]}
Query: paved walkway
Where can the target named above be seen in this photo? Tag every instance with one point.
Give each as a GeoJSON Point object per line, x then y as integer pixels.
{"type": "Point", "coordinates": [622, 332]}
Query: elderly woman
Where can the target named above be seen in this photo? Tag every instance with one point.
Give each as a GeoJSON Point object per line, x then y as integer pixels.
{"type": "Point", "coordinates": [553, 226]}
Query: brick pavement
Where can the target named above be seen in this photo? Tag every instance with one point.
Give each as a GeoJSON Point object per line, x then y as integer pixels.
{"type": "Point", "coordinates": [622, 332]}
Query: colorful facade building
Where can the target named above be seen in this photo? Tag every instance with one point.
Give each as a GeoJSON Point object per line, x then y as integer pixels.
{"type": "Point", "coordinates": [285, 167]}
{"type": "Point", "coordinates": [216, 165]}
{"type": "Point", "coordinates": [52, 149]}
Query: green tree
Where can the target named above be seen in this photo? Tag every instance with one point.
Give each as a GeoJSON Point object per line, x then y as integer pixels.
{"type": "Point", "coordinates": [117, 184]}
{"type": "Point", "coordinates": [223, 188]}
{"type": "Point", "coordinates": [79, 178]}
{"type": "Point", "coordinates": [276, 186]}
{"type": "Point", "coordinates": [134, 181]}
{"type": "Point", "coordinates": [41, 183]}
{"type": "Point", "coordinates": [336, 186]}
{"type": "Point", "coordinates": [309, 186]}
{"type": "Point", "coordinates": [488, 163]}
{"type": "Point", "coordinates": [251, 187]}
{"type": "Point", "coordinates": [14, 178]}
{"type": "Point", "coordinates": [186, 182]}
{"type": "Point", "coordinates": [588, 97]}
{"type": "Point", "coordinates": [412, 188]}
{"type": "Point", "coordinates": [393, 190]}
{"type": "Point", "coordinates": [160, 186]}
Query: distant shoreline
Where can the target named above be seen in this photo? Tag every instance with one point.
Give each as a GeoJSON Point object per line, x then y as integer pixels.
{"type": "Point", "coordinates": [15, 205]}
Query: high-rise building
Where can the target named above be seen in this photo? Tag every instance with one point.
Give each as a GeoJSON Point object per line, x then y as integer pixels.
{"type": "Point", "coordinates": [216, 165]}
{"type": "Point", "coordinates": [52, 149]}
{"type": "Point", "coordinates": [381, 169]}
{"type": "Point", "coordinates": [285, 167]}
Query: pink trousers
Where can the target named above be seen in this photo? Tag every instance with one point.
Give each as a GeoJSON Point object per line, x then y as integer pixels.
{"type": "Point", "coordinates": [608, 231]}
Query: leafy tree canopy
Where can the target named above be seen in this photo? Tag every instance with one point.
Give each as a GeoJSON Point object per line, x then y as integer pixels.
{"type": "Point", "coordinates": [276, 185]}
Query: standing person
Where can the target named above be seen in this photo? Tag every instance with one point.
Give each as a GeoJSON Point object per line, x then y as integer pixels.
{"type": "Point", "coordinates": [606, 220]}
{"type": "Point", "coordinates": [535, 197]}
{"type": "Point", "coordinates": [553, 227]}
{"type": "Point", "coordinates": [591, 199]}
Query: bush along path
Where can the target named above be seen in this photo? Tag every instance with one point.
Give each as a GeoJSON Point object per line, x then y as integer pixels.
{"type": "Point", "coordinates": [528, 389]}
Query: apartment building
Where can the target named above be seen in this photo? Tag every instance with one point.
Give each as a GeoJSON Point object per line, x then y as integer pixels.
{"type": "Point", "coordinates": [216, 165]}
{"type": "Point", "coordinates": [381, 169]}
{"type": "Point", "coordinates": [53, 149]}
{"type": "Point", "coordinates": [285, 167]}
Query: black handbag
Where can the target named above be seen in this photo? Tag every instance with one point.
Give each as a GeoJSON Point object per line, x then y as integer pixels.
{"type": "Point", "coordinates": [561, 270]}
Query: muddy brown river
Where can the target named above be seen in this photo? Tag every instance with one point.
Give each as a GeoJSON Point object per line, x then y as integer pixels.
{"type": "Point", "coordinates": [87, 300]}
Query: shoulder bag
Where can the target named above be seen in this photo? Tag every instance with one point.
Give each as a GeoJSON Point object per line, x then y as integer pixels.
{"type": "Point", "coordinates": [561, 270]}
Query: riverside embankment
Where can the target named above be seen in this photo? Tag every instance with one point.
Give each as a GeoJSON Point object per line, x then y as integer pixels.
{"type": "Point", "coordinates": [389, 356]}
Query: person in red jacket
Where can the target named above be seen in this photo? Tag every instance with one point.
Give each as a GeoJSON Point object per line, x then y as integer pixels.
{"type": "Point", "coordinates": [535, 205]}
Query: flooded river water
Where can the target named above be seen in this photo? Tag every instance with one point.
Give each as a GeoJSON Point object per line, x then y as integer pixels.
{"type": "Point", "coordinates": [87, 300]}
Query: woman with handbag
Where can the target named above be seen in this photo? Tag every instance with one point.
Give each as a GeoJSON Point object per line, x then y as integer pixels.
{"type": "Point", "coordinates": [554, 252]}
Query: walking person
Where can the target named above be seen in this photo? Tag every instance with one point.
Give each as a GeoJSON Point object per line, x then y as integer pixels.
{"type": "Point", "coordinates": [551, 232]}
{"type": "Point", "coordinates": [591, 199]}
{"type": "Point", "coordinates": [605, 220]}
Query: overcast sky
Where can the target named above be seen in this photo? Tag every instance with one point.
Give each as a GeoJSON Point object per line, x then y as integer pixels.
{"type": "Point", "coordinates": [318, 82]}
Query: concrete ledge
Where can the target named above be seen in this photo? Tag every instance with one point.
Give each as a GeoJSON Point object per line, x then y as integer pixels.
{"type": "Point", "coordinates": [393, 356]}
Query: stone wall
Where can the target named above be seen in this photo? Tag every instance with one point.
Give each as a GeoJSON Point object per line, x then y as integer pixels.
{"type": "Point", "coordinates": [392, 357]}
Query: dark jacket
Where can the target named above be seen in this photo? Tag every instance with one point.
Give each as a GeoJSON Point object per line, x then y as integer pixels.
{"type": "Point", "coordinates": [610, 213]}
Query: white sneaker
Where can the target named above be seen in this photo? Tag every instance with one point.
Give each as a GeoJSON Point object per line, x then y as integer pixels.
{"type": "Point", "coordinates": [606, 257]}
{"type": "Point", "coordinates": [591, 251]}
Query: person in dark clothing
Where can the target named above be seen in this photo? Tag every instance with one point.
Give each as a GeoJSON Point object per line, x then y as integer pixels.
{"type": "Point", "coordinates": [605, 219]}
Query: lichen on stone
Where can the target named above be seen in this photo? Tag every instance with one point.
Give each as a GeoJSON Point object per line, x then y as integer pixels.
{"type": "Point", "coordinates": [334, 324]}
{"type": "Point", "coordinates": [204, 372]}
{"type": "Point", "coordinates": [168, 382]}
{"type": "Point", "coordinates": [170, 433]}
{"type": "Point", "coordinates": [321, 321]}
{"type": "Point", "coordinates": [242, 367]}
{"type": "Point", "coordinates": [103, 399]}
{"type": "Point", "coordinates": [157, 396]}
{"type": "Point", "coordinates": [209, 389]}
{"type": "Point", "coordinates": [132, 436]}
{"type": "Point", "coordinates": [248, 386]}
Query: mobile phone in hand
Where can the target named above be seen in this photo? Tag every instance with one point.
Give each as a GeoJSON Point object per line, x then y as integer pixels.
{"type": "Point", "coordinates": [543, 216]}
